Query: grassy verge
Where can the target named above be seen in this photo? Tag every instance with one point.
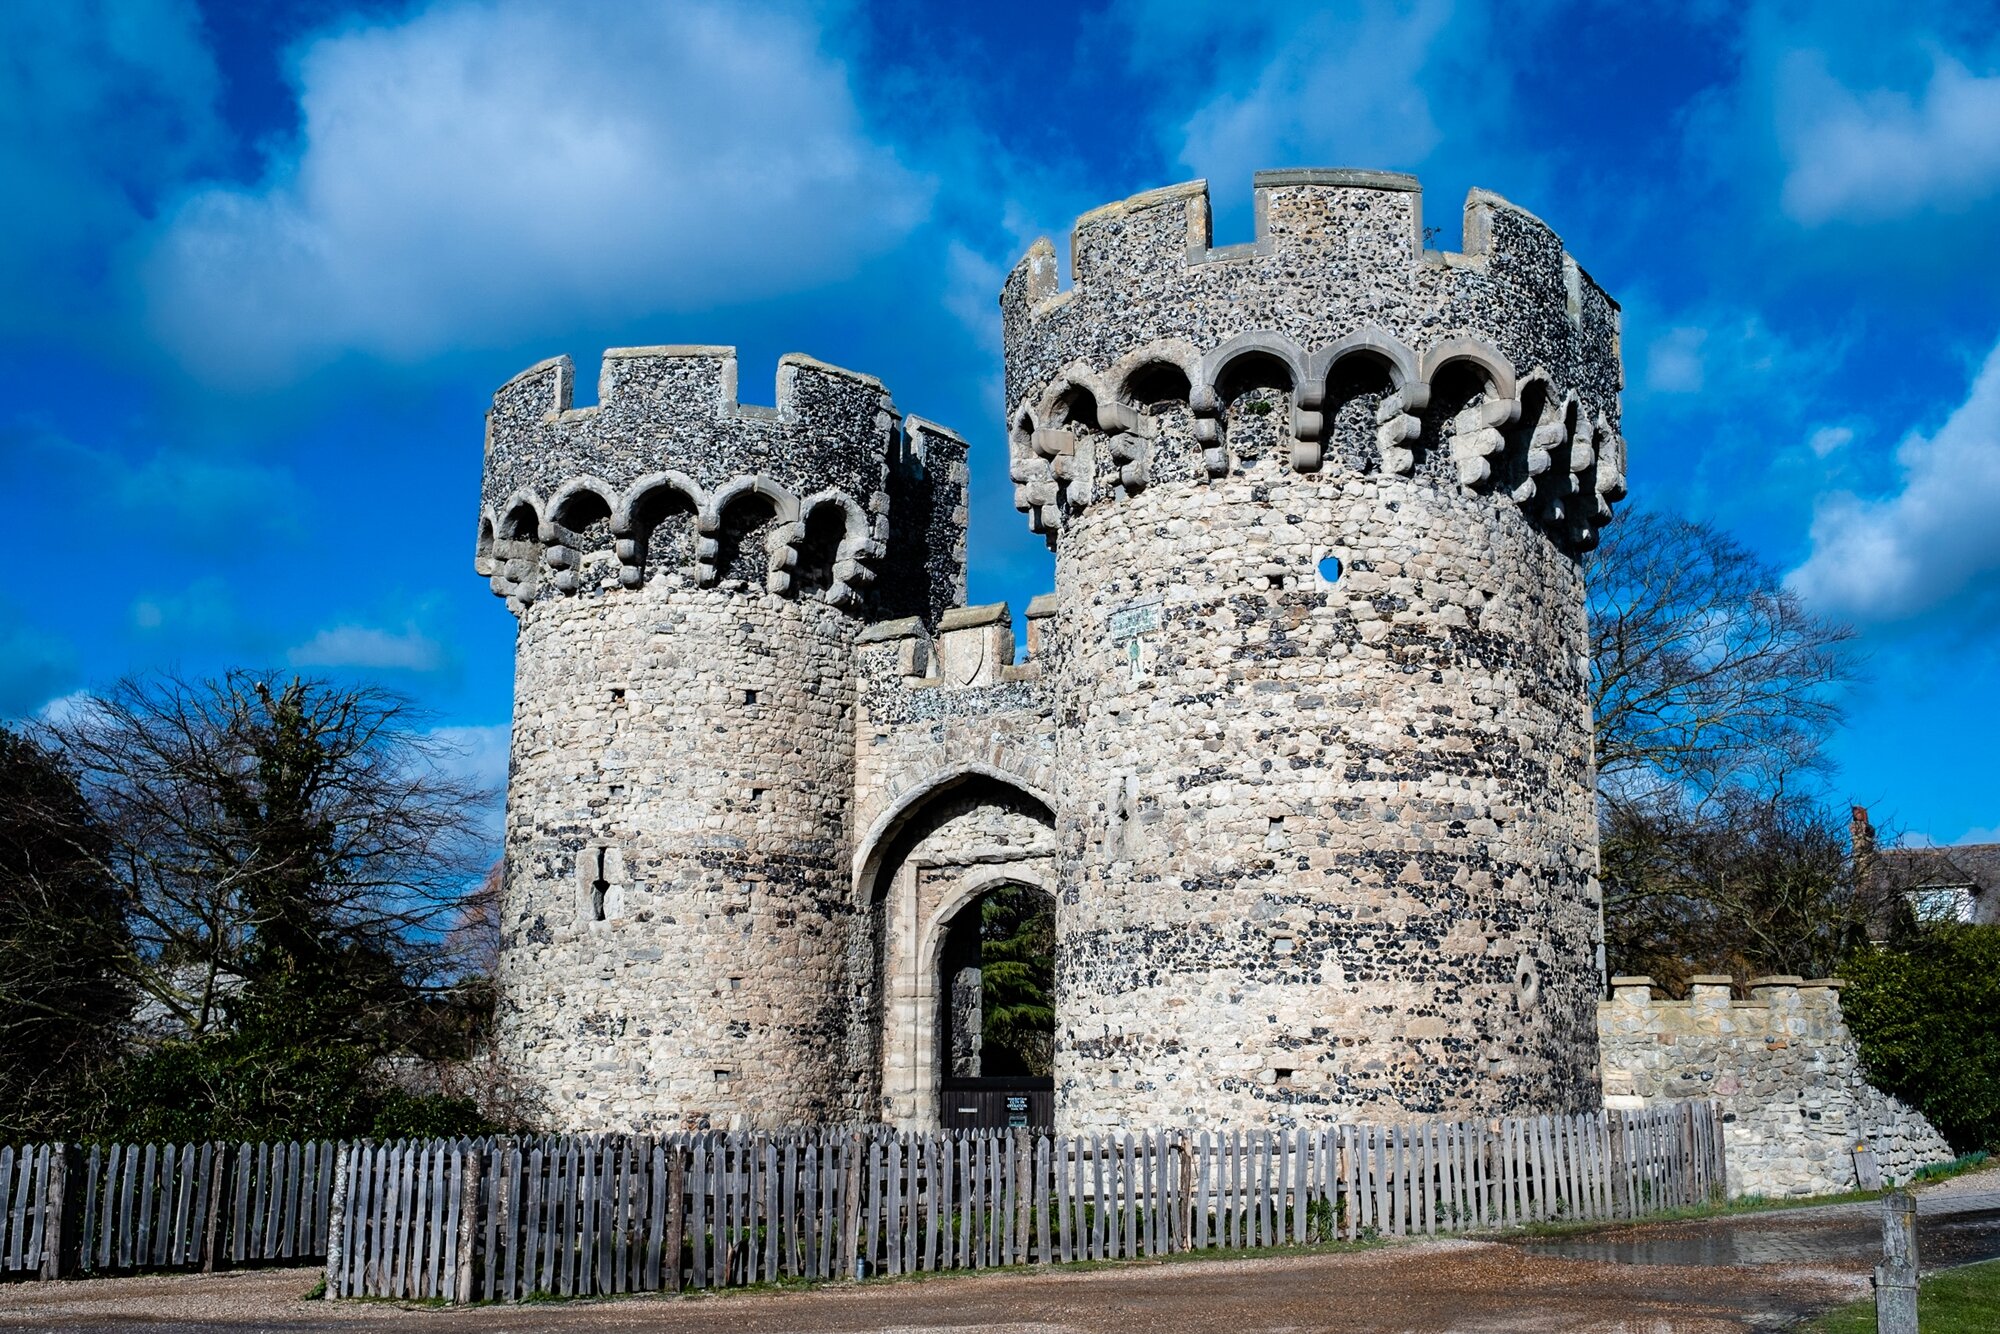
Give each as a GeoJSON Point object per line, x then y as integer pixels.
{"type": "Point", "coordinates": [1748, 1204]}
{"type": "Point", "coordinates": [1965, 1300]}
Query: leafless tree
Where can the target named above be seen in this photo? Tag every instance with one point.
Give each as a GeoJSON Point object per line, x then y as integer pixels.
{"type": "Point", "coordinates": [1707, 673]}
{"type": "Point", "coordinates": [63, 997]}
{"type": "Point", "coordinates": [1715, 690]}
{"type": "Point", "coordinates": [1744, 884]}
{"type": "Point", "coordinates": [260, 827]}
{"type": "Point", "coordinates": [473, 942]}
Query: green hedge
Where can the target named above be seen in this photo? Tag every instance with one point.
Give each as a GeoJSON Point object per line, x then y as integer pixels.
{"type": "Point", "coordinates": [1926, 1014]}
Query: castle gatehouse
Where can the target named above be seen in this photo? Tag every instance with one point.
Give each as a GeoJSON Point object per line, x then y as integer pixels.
{"type": "Point", "coordinates": [1299, 750]}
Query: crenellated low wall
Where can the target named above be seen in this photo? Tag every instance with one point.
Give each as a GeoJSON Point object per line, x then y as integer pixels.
{"type": "Point", "coordinates": [1796, 1104]}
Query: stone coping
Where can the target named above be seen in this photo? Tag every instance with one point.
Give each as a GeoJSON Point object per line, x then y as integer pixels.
{"type": "Point", "coordinates": [966, 618]}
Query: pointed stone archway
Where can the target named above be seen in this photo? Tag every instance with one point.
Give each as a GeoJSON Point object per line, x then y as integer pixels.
{"type": "Point", "coordinates": [959, 842]}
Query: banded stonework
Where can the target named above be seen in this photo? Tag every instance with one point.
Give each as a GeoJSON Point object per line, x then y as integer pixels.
{"type": "Point", "coordinates": [1299, 745]}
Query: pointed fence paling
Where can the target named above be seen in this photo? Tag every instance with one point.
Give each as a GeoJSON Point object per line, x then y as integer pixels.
{"type": "Point", "coordinates": [501, 1220]}
{"type": "Point", "coordinates": [504, 1220]}
{"type": "Point", "coordinates": [70, 1211]}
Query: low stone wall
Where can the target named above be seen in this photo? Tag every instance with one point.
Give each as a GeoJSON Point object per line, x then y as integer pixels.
{"type": "Point", "coordinates": [1787, 1072]}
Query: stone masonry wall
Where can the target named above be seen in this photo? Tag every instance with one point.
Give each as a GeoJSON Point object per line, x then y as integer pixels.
{"type": "Point", "coordinates": [681, 945]}
{"type": "Point", "coordinates": [1301, 746]}
{"type": "Point", "coordinates": [1325, 846]}
{"type": "Point", "coordinates": [704, 740]}
{"type": "Point", "coordinates": [951, 778]}
{"type": "Point", "coordinates": [1326, 843]}
{"type": "Point", "coordinates": [1786, 1070]}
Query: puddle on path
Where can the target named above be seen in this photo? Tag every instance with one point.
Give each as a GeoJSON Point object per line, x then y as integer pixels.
{"type": "Point", "coordinates": [1942, 1240]}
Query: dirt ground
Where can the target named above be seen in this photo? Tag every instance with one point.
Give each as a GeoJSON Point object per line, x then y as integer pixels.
{"type": "Point", "coordinates": [1745, 1272]}
{"type": "Point", "coordinates": [1476, 1287]}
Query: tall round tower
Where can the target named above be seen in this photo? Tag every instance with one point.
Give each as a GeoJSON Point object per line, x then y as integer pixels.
{"type": "Point", "coordinates": [1326, 828]}
{"type": "Point", "coordinates": [689, 576]}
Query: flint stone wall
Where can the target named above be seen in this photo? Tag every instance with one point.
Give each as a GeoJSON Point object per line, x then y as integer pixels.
{"type": "Point", "coordinates": [715, 989]}
{"type": "Point", "coordinates": [1326, 840]}
{"type": "Point", "coordinates": [1321, 845]}
{"type": "Point", "coordinates": [952, 765]}
{"type": "Point", "coordinates": [1787, 1072]}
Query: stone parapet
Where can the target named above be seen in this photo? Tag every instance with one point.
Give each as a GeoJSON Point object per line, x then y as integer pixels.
{"type": "Point", "coordinates": [1796, 1101]}
{"type": "Point", "coordinates": [1494, 370]}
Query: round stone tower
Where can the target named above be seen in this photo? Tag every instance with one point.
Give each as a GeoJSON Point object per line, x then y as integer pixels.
{"type": "Point", "coordinates": [689, 576]}
{"type": "Point", "coordinates": [1323, 744]}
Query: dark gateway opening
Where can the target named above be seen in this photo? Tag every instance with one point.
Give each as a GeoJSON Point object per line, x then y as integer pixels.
{"type": "Point", "coordinates": [996, 1029]}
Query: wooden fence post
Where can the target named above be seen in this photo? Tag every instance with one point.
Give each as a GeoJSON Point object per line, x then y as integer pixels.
{"type": "Point", "coordinates": [1896, 1276]}
{"type": "Point", "coordinates": [850, 1230]}
{"type": "Point", "coordinates": [677, 1211]}
{"type": "Point", "coordinates": [1184, 1168]}
{"type": "Point", "coordinates": [1024, 1195]}
{"type": "Point", "coordinates": [336, 1223]}
{"type": "Point", "coordinates": [469, 1176]}
{"type": "Point", "coordinates": [502, 1237]}
{"type": "Point", "coordinates": [62, 1211]}
{"type": "Point", "coordinates": [211, 1225]}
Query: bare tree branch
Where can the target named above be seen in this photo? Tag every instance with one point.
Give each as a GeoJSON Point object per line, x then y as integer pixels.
{"type": "Point", "coordinates": [253, 809]}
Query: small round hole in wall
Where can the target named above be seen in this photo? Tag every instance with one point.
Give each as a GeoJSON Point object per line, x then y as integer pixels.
{"type": "Point", "coordinates": [1527, 979]}
{"type": "Point", "coordinates": [1329, 568]}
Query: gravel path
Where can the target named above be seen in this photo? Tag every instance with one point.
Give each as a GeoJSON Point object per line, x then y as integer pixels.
{"type": "Point", "coordinates": [1427, 1286]}
{"type": "Point", "coordinates": [1669, 1278]}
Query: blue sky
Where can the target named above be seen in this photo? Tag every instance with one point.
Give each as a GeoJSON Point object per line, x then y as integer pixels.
{"type": "Point", "coordinates": [262, 265]}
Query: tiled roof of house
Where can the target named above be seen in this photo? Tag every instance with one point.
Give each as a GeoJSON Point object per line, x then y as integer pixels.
{"type": "Point", "coordinates": [1974, 866]}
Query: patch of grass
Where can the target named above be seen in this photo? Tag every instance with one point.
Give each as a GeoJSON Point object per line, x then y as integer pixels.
{"type": "Point", "coordinates": [1965, 1300]}
{"type": "Point", "coordinates": [1746, 1204]}
{"type": "Point", "coordinates": [1965, 1162]}
{"type": "Point", "coordinates": [317, 1292]}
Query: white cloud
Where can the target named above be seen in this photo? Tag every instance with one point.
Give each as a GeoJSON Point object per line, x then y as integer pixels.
{"type": "Point", "coordinates": [1674, 362]}
{"type": "Point", "coordinates": [408, 649]}
{"type": "Point", "coordinates": [480, 170]}
{"type": "Point", "coordinates": [478, 754]}
{"type": "Point", "coordinates": [1391, 84]}
{"type": "Point", "coordinates": [1828, 439]}
{"type": "Point", "coordinates": [1985, 834]}
{"type": "Point", "coordinates": [1341, 89]}
{"type": "Point", "coordinates": [34, 663]}
{"type": "Point", "coordinates": [64, 710]}
{"type": "Point", "coordinates": [1935, 537]}
{"type": "Point", "coordinates": [971, 292]}
{"type": "Point", "coordinates": [1884, 153]}
{"type": "Point", "coordinates": [204, 610]}
{"type": "Point", "coordinates": [102, 107]}
{"type": "Point", "coordinates": [1728, 351]}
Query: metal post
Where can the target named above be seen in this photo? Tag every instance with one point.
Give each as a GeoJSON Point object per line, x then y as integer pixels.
{"type": "Point", "coordinates": [1896, 1276]}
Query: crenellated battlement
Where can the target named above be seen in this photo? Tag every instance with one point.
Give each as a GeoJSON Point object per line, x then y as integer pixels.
{"type": "Point", "coordinates": [1303, 216]}
{"type": "Point", "coordinates": [678, 405]}
{"type": "Point", "coordinates": [1298, 751]}
{"type": "Point", "coordinates": [671, 474]}
{"type": "Point", "coordinates": [1780, 1007]}
{"type": "Point", "coordinates": [1796, 1101]}
{"type": "Point", "coordinates": [1493, 369]}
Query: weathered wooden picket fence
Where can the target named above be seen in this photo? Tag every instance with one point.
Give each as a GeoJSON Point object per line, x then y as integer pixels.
{"type": "Point", "coordinates": [502, 1220]}
{"type": "Point", "coordinates": [120, 1207]}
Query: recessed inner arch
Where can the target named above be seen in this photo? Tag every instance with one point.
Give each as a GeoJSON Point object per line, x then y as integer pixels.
{"type": "Point", "coordinates": [926, 881]}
